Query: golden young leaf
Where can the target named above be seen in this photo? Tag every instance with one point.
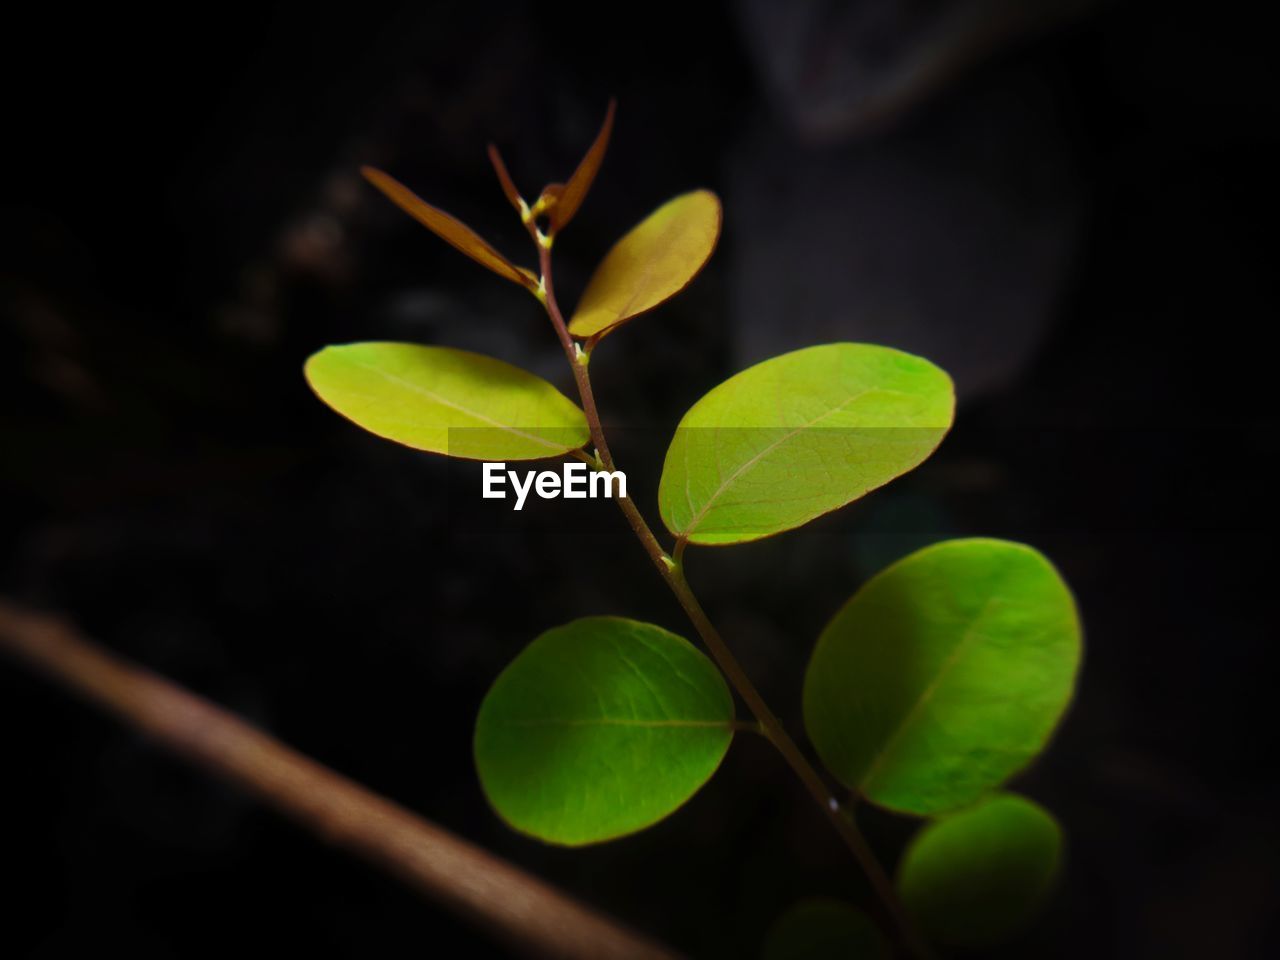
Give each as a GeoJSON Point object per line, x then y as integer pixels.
{"type": "Point", "coordinates": [449, 229]}
{"type": "Point", "coordinates": [651, 264]}
{"type": "Point", "coordinates": [568, 199]}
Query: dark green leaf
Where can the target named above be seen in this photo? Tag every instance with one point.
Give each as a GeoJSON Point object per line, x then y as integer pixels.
{"type": "Point", "coordinates": [824, 929]}
{"type": "Point", "coordinates": [979, 876]}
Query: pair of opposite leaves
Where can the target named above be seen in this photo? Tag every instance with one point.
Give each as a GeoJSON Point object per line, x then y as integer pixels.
{"type": "Point", "coordinates": [559, 203]}
{"type": "Point", "coordinates": [769, 450]}
{"type": "Point", "coordinates": [942, 677]}
{"type": "Point", "coordinates": [938, 680]}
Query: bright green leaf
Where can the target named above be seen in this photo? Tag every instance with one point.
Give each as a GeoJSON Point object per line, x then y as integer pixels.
{"type": "Point", "coordinates": [447, 401]}
{"type": "Point", "coordinates": [824, 929]}
{"type": "Point", "coordinates": [944, 675]}
{"type": "Point", "coordinates": [792, 438]}
{"type": "Point", "coordinates": [651, 264]}
{"type": "Point", "coordinates": [979, 876]}
{"type": "Point", "coordinates": [600, 728]}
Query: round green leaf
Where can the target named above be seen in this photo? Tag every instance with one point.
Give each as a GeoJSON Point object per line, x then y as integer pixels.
{"type": "Point", "coordinates": [447, 401]}
{"type": "Point", "coordinates": [792, 438]}
{"type": "Point", "coordinates": [944, 675]}
{"type": "Point", "coordinates": [600, 728]}
{"type": "Point", "coordinates": [824, 929]}
{"type": "Point", "coordinates": [979, 876]}
{"type": "Point", "coordinates": [651, 264]}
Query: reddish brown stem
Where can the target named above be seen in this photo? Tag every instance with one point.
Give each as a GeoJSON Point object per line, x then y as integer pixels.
{"type": "Point", "coordinates": [671, 570]}
{"type": "Point", "coordinates": [500, 898]}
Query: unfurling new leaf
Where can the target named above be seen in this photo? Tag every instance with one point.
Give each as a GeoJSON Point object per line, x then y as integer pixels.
{"type": "Point", "coordinates": [792, 438]}
{"type": "Point", "coordinates": [568, 198]}
{"type": "Point", "coordinates": [447, 401]}
{"type": "Point", "coordinates": [651, 264]}
{"type": "Point", "coordinates": [944, 675]}
{"type": "Point", "coordinates": [450, 229]}
{"type": "Point", "coordinates": [600, 728]}
{"type": "Point", "coordinates": [979, 876]}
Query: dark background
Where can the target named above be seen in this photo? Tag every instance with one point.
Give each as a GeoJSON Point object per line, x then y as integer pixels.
{"type": "Point", "coordinates": [1070, 208]}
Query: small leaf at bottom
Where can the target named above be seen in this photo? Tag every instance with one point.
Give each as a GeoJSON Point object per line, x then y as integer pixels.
{"type": "Point", "coordinates": [977, 877]}
{"type": "Point", "coordinates": [824, 929]}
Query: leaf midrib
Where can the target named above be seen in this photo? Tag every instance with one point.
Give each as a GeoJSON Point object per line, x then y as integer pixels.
{"type": "Point", "coordinates": [909, 718]}
{"type": "Point", "coordinates": [692, 525]}
{"type": "Point", "coordinates": [416, 388]}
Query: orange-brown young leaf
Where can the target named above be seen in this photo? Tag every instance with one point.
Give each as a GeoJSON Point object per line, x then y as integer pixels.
{"type": "Point", "coordinates": [570, 198]}
{"type": "Point", "coordinates": [657, 259]}
{"type": "Point", "coordinates": [504, 178]}
{"type": "Point", "coordinates": [449, 229]}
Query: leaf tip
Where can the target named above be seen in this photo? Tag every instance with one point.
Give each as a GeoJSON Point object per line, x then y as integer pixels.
{"type": "Point", "coordinates": [504, 179]}
{"type": "Point", "coordinates": [575, 191]}
{"type": "Point", "coordinates": [373, 175]}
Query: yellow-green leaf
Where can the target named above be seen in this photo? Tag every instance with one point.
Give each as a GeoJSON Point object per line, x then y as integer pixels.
{"type": "Point", "coordinates": [797, 436]}
{"type": "Point", "coordinates": [651, 264]}
{"type": "Point", "coordinates": [447, 401]}
{"type": "Point", "coordinates": [449, 229]}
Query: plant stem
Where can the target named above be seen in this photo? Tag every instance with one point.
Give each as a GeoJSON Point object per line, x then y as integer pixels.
{"type": "Point", "coordinates": [501, 899]}
{"type": "Point", "coordinates": [671, 569]}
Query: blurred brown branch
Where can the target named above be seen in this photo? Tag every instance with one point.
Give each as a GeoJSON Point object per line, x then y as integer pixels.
{"type": "Point", "coordinates": [502, 899]}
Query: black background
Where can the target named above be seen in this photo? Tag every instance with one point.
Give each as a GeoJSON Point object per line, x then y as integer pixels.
{"type": "Point", "coordinates": [182, 226]}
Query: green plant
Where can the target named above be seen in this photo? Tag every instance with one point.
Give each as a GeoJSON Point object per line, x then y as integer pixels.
{"type": "Point", "coordinates": [942, 677]}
